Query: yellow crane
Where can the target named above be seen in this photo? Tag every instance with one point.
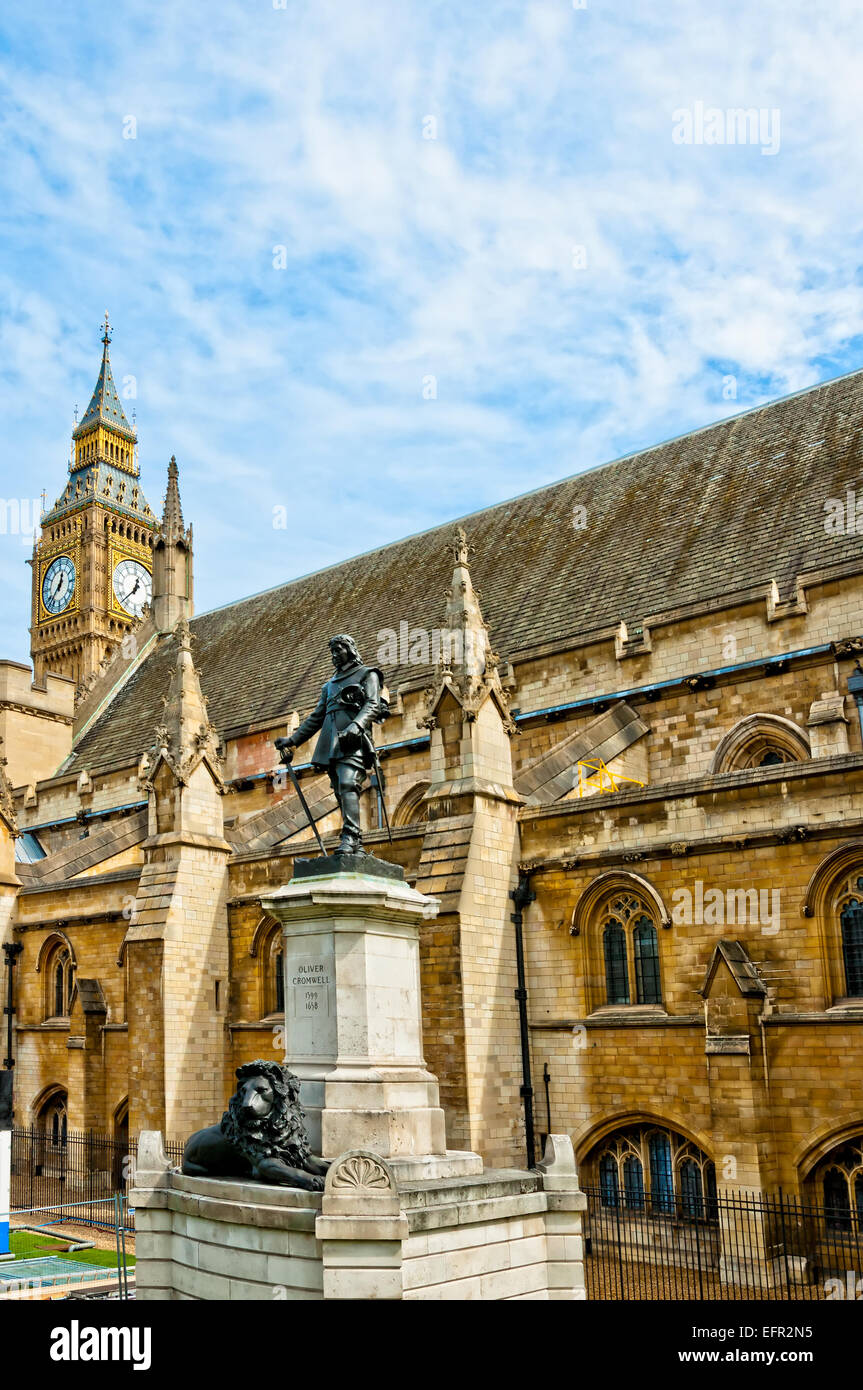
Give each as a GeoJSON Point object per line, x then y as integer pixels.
{"type": "Point", "coordinates": [593, 775]}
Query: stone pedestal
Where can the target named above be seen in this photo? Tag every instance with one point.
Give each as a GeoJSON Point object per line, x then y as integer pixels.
{"type": "Point", "coordinates": [353, 1024]}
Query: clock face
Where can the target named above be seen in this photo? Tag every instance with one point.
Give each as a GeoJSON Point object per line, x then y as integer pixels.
{"type": "Point", "coordinates": [133, 586]}
{"type": "Point", "coordinates": [58, 584]}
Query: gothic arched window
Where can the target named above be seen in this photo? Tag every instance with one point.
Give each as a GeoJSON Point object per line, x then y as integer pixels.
{"type": "Point", "coordinates": [851, 919]}
{"type": "Point", "coordinates": [59, 981]}
{"type": "Point", "coordinates": [630, 947]}
{"type": "Point", "coordinates": [51, 1120]}
{"type": "Point", "coordinates": [608, 1181]}
{"type": "Point", "coordinates": [761, 740]}
{"type": "Point", "coordinates": [838, 1182]}
{"type": "Point", "coordinates": [633, 1182]}
{"type": "Point", "coordinates": [691, 1189]}
{"type": "Point", "coordinates": [274, 976]}
{"type": "Point", "coordinates": [646, 945]}
{"type": "Point", "coordinates": [279, 971]}
{"type": "Point", "coordinates": [616, 972]}
{"type": "Point", "coordinates": [413, 807]}
{"type": "Point", "coordinates": [658, 1171]}
{"type": "Point", "coordinates": [661, 1172]}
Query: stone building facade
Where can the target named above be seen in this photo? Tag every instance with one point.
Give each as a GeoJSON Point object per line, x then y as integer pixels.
{"type": "Point", "coordinates": [625, 695]}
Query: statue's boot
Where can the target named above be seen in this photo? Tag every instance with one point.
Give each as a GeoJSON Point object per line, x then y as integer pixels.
{"type": "Point", "coordinates": [351, 841]}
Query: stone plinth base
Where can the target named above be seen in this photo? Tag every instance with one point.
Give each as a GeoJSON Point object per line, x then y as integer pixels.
{"type": "Point", "coordinates": [353, 1024]}
{"type": "Point", "coordinates": [498, 1235]}
{"type": "Point", "coordinates": [455, 1163]}
{"type": "Point", "coordinates": [366, 864]}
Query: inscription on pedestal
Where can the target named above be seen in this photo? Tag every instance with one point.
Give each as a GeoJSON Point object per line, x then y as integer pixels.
{"type": "Point", "coordinates": [309, 980]}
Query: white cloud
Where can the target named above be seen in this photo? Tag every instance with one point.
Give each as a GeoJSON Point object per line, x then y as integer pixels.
{"type": "Point", "coordinates": [409, 257]}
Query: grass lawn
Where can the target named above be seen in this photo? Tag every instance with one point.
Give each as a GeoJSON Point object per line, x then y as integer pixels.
{"type": "Point", "coordinates": [23, 1245]}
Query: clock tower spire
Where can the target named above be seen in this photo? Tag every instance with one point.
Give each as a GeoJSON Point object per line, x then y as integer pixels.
{"type": "Point", "coordinates": [93, 561]}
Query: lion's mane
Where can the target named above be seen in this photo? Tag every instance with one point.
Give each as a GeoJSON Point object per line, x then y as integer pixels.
{"type": "Point", "coordinates": [282, 1134]}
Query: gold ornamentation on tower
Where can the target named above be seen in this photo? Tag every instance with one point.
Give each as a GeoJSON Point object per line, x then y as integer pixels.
{"type": "Point", "coordinates": [92, 564]}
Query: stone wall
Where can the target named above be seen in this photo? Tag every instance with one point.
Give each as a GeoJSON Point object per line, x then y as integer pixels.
{"type": "Point", "coordinates": [499, 1237]}
{"type": "Point", "coordinates": [198, 1242]}
{"type": "Point", "coordinates": [801, 1074]}
{"type": "Point", "coordinates": [35, 722]}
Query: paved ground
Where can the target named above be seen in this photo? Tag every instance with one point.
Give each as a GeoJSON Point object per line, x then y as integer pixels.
{"type": "Point", "coordinates": [610, 1279]}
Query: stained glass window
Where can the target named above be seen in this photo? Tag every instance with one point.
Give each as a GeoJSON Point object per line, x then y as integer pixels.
{"type": "Point", "coordinates": [852, 946]}
{"type": "Point", "coordinates": [62, 983]}
{"type": "Point", "coordinates": [661, 1173]}
{"type": "Point", "coordinates": [608, 1186]}
{"type": "Point", "coordinates": [633, 1183]}
{"type": "Point", "coordinates": [691, 1190]}
{"type": "Point", "coordinates": [59, 991]}
{"type": "Point", "coordinates": [280, 982]}
{"type": "Point", "coordinates": [647, 988]}
{"type": "Point", "coordinates": [657, 1172]}
{"type": "Point", "coordinates": [616, 971]}
{"type": "Point", "coordinates": [837, 1201]}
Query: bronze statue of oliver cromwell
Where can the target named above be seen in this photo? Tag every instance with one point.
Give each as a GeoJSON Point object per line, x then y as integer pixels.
{"type": "Point", "coordinates": [351, 701]}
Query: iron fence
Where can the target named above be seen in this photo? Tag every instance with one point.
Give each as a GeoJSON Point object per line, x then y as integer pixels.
{"type": "Point", "coordinates": [731, 1246]}
{"type": "Point", "coordinates": [79, 1166]}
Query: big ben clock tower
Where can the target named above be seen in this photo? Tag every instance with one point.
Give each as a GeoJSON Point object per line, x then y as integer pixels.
{"type": "Point", "coordinates": [93, 562]}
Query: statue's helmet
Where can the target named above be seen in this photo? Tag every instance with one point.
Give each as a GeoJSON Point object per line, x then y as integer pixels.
{"type": "Point", "coordinates": [346, 641]}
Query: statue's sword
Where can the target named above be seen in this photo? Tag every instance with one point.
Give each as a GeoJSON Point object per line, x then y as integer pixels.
{"type": "Point", "coordinates": [381, 780]}
{"type": "Point", "coordinates": [305, 805]}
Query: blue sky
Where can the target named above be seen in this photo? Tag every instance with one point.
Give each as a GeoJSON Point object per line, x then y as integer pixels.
{"type": "Point", "coordinates": [457, 258]}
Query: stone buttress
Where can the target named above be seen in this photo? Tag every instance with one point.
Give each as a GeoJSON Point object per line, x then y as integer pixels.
{"type": "Point", "coordinates": [469, 862]}
{"type": "Point", "coordinates": [177, 941]}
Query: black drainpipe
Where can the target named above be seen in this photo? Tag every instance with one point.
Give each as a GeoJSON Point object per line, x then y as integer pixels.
{"type": "Point", "coordinates": [11, 950]}
{"type": "Point", "coordinates": [521, 896]}
{"type": "Point", "coordinates": [546, 1076]}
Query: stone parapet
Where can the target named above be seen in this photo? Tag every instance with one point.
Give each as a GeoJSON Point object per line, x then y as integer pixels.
{"type": "Point", "coordinates": [502, 1235]}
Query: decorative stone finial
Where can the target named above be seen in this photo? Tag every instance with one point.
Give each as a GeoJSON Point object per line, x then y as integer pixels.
{"type": "Point", "coordinates": [467, 665]}
{"type": "Point", "coordinates": [461, 547]}
{"type": "Point", "coordinates": [185, 736]}
{"type": "Point", "coordinates": [172, 513]}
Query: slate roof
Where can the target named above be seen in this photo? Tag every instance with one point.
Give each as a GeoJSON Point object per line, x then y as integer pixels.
{"type": "Point", "coordinates": [116, 489]}
{"type": "Point", "coordinates": [713, 513]}
{"type": "Point", "coordinates": [105, 406]}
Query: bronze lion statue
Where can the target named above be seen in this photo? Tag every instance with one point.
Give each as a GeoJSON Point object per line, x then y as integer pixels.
{"type": "Point", "coordinates": [261, 1134]}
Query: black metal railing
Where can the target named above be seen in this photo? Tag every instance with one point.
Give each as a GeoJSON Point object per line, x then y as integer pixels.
{"type": "Point", "coordinates": [735, 1246]}
{"type": "Point", "coordinates": [78, 1166]}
